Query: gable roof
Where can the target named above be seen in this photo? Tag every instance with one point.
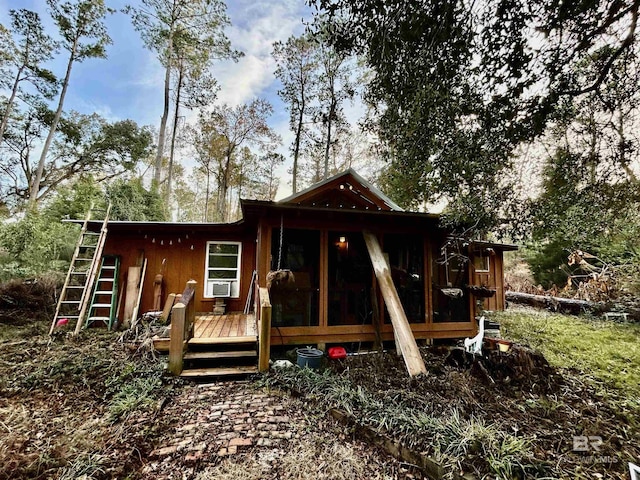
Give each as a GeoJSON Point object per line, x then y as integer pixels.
{"type": "Point", "coordinates": [346, 190]}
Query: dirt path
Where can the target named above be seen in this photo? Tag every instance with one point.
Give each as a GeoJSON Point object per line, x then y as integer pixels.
{"type": "Point", "coordinates": [232, 430]}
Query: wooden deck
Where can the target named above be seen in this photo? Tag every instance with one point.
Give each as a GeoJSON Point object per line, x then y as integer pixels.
{"type": "Point", "coordinates": [230, 325]}
{"type": "Point", "coordinates": [210, 329]}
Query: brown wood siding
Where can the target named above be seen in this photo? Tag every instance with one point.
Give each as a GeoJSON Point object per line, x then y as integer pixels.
{"type": "Point", "coordinates": [185, 260]}
{"type": "Point", "coordinates": [494, 278]}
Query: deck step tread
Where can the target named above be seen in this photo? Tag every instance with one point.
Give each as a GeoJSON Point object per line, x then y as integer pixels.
{"type": "Point", "coordinates": [216, 355]}
{"type": "Point", "coordinates": [219, 372]}
{"type": "Point", "coordinates": [223, 340]}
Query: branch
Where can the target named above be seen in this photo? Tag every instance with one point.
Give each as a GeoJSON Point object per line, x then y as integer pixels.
{"type": "Point", "coordinates": [628, 41]}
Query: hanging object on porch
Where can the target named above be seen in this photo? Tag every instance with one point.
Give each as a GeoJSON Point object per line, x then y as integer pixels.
{"type": "Point", "coordinates": [280, 276]}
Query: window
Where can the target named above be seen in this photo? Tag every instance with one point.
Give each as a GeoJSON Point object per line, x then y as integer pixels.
{"type": "Point", "coordinates": [481, 262]}
{"type": "Point", "coordinates": [222, 275]}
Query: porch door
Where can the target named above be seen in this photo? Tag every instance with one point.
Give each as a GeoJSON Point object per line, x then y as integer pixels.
{"type": "Point", "coordinates": [295, 301]}
{"type": "Point", "coordinates": [406, 260]}
{"type": "Point", "coordinates": [350, 280]}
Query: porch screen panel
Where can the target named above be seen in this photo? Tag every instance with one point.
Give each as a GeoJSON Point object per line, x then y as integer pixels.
{"type": "Point", "coordinates": [450, 273]}
{"type": "Point", "coordinates": [350, 280]}
{"type": "Point", "coordinates": [406, 259]}
{"type": "Point", "coordinates": [295, 302]}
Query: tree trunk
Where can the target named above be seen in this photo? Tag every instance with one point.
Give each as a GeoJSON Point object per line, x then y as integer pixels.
{"type": "Point", "coordinates": [296, 149]}
{"type": "Point", "coordinates": [326, 149]}
{"type": "Point", "coordinates": [206, 196]}
{"type": "Point", "coordinates": [224, 187]}
{"type": "Point", "coordinates": [7, 112]}
{"type": "Point", "coordinates": [173, 139]}
{"type": "Point", "coordinates": [570, 305]}
{"type": "Point", "coordinates": [165, 112]}
{"type": "Point", "coordinates": [35, 186]}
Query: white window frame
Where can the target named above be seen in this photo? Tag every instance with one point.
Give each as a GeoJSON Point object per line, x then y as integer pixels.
{"type": "Point", "coordinates": [486, 262]}
{"type": "Point", "coordinates": [234, 282]}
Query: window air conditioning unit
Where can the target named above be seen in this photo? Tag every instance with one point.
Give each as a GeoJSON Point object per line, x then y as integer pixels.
{"type": "Point", "coordinates": [220, 289]}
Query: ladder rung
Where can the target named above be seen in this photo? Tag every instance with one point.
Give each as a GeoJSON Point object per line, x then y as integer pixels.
{"type": "Point", "coordinates": [75, 287]}
{"type": "Point", "coordinates": [66, 316]}
{"type": "Point", "coordinates": [84, 259]}
{"type": "Point", "coordinates": [96, 319]}
{"type": "Point", "coordinates": [68, 302]}
{"type": "Point", "coordinates": [101, 305]}
{"type": "Point", "coordinates": [92, 234]}
{"type": "Point", "coordinates": [79, 273]}
{"type": "Point", "coordinates": [104, 292]}
{"type": "Point", "coordinates": [108, 267]}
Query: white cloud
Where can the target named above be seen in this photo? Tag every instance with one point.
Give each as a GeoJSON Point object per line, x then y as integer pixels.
{"type": "Point", "coordinates": [255, 27]}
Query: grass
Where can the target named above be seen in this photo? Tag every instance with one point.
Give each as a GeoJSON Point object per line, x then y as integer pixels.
{"type": "Point", "coordinates": [313, 458]}
{"type": "Point", "coordinates": [605, 352]}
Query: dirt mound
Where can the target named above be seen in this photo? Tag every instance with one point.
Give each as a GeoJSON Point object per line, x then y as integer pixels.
{"type": "Point", "coordinates": [520, 366]}
{"type": "Point", "coordinates": [23, 301]}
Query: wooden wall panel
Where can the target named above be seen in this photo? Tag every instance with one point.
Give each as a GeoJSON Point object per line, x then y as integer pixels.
{"type": "Point", "coordinates": [185, 260]}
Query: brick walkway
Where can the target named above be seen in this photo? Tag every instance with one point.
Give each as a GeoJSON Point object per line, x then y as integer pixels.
{"type": "Point", "coordinates": [218, 420]}
{"type": "Point", "coordinates": [210, 428]}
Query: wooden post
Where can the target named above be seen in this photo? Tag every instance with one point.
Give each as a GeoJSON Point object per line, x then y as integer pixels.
{"type": "Point", "coordinates": [265, 330]}
{"type": "Point", "coordinates": [131, 294]}
{"type": "Point", "coordinates": [190, 314]}
{"type": "Point", "coordinates": [402, 330]}
{"type": "Point", "coordinates": [134, 314]}
{"type": "Point", "coordinates": [176, 340]}
{"type": "Point", "coordinates": [171, 298]}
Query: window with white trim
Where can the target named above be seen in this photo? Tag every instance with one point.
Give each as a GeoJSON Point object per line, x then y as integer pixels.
{"type": "Point", "coordinates": [222, 274]}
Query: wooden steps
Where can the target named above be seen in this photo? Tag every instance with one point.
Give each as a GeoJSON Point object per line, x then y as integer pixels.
{"type": "Point", "coordinates": [223, 340]}
{"type": "Point", "coordinates": [216, 355]}
{"type": "Point", "coordinates": [219, 371]}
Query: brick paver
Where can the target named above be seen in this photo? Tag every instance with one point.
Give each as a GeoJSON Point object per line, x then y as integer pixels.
{"type": "Point", "coordinates": [222, 419]}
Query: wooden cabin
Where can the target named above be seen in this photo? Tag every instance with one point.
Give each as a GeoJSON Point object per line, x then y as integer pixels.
{"type": "Point", "coordinates": [332, 295]}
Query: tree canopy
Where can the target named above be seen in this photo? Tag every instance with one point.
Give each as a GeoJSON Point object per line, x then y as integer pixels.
{"type": "Point", "coordinates": [459, 85]}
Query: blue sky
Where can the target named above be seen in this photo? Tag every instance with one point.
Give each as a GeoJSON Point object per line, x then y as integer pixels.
{"type": "Point", "coordinates": [128, 84]}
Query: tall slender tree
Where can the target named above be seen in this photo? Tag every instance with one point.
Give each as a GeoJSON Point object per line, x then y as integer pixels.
{"type": "Point", "coordinates": [194, 86]}
{"type": "Point", "coordinates": [25, 54]}
{"type": "Point", "coordinates": [334, 87]}
{"type": "Point", "coordinates": [297, 71]}
{"type": "Point", "coordinates": [164, 26]}
{"type": "Point", "coordinates": [84, 35]}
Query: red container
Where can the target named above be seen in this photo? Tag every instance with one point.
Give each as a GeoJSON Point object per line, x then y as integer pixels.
{"type": "Point", "coordinates": [336, 353]}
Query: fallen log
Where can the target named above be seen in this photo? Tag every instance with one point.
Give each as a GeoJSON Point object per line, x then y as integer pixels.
{"type": "Point", "coordinates": [556, 304]}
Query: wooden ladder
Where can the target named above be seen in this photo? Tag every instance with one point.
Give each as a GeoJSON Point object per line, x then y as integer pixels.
{"type": "Point", "coordinates": [103, 301]}
{"type": "Point", "coordinates": [75, 293]}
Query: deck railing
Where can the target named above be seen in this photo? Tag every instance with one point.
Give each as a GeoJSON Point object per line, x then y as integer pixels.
{"type": "Point", "coordinates": [264, 320]}
{"type": "Point", "coordinates": [183, 316]}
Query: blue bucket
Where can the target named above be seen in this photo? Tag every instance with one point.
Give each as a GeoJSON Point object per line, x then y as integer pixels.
{"type": "Point", "coordinates": [309, 357]}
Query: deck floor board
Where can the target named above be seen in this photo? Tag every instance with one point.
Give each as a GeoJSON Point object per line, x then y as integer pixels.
{"type": "Point", "coordinates": [232, 324]}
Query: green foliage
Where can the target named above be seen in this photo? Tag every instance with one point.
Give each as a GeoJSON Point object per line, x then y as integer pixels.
{"type": "Point", "coordinates": [459, 85]}
{"type": "Point", "coordinates": [74, 202]}
{"type": "Point", "coordinates": [549, 263]}
{"type": "Point", "coordinates": [81, 26]}
{"type": "Point", "coordinates": [130, 200]}
{"type": "Point", "coordinates": [34, 246]}
{"type": "Point", "coordinates": [590, 195]}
